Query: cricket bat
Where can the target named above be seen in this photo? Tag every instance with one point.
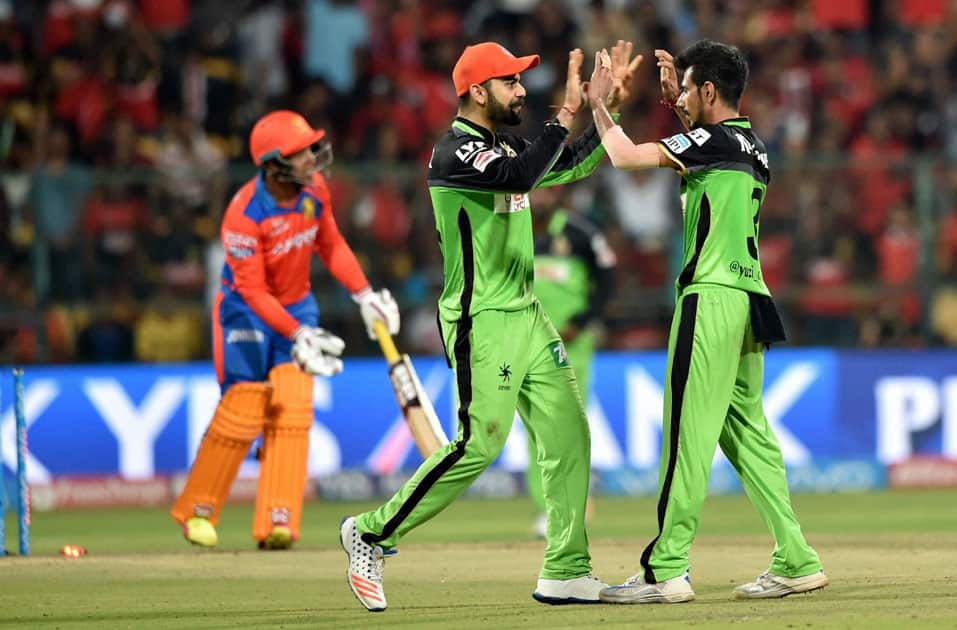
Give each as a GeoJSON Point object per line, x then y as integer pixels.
{"type": "Point", "coordinates": [414, 402]}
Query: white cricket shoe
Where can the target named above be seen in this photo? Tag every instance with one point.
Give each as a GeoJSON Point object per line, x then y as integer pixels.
{"type": "Point", "coordinates": [636, 591]}
{"type": "Point", "coordinates": [770, 586]}
{"type": "Point", "coordinates": [580, 590]}
{"type": "Point", "coordinates": [365, 566]}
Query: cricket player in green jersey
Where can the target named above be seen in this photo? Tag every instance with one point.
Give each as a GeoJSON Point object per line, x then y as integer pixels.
{"type": "Point", "coordinates": [574, 277]}
{"type": "Point", "coordinates": [724, 319]}
{"type": "Point", "coordinates": [504, 351]}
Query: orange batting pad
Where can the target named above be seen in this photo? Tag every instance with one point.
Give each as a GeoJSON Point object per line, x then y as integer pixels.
{"type": "Point", "coordinates": [238, 419]}
{"type": "Point", "coordinates": [282, 469]}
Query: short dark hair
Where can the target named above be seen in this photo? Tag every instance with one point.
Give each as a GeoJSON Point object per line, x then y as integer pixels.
{"type": "Point", "coordinates": [723, 65]}
{"type": "Point", "coordinates": [464, 99]}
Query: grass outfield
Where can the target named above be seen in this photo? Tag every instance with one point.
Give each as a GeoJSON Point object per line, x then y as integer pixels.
{"type": "Point", "coordinates": [891, 558]}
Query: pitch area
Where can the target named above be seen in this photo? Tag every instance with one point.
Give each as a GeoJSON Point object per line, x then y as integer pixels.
{"type": "Point", "coordinates": [891, 557]}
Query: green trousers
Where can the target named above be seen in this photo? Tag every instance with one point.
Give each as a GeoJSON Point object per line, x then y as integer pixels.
{"type": "Point", "coordinates": [713, 389]}
{"type": "Point", "coordinates": [503, 361]}
{"type": "Point", "coordinates": [581, 350]}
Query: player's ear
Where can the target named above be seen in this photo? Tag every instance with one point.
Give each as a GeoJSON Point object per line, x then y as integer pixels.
{"type": "Point", "coordinates": [709, 92]}
{"type": "Point", "coordinates": [479, 94]}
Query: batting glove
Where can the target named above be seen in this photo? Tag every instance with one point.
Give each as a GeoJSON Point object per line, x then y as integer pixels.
{"type": "Point", "coordinates": [378, 306]}
{"type": "Point", "coordinates": [317, 351]}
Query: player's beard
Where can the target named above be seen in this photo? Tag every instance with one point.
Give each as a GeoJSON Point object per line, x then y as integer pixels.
{"type": "Point", "coordinates": [503, 115]}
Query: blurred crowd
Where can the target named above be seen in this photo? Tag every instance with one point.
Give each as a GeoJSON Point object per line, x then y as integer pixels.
{"type": "Point", "coordinates": [123, 127]}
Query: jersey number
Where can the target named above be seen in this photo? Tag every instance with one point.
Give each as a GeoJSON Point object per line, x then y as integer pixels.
{"type": "Point", "coordinates": [753, 240]}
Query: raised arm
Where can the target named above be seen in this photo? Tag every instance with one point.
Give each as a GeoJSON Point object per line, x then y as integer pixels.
{"type": "Point", "coordinates": [581, 157]}
{"type": "Point", "coordinates": [621, 150]}
{"type": "Point", "coordinates": [668, 76]}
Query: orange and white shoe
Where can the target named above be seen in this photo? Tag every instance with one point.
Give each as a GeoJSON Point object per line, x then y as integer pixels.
{"type": "Point", "coordinates": [365, 566]}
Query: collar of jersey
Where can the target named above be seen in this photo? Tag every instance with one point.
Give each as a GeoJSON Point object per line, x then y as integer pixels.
{"type": "Point", "coordinates": [741, 121]}
{"type": "Point", "coordinates": [469, 127]}
{"type": "Point", "coordinates": [271, 208]}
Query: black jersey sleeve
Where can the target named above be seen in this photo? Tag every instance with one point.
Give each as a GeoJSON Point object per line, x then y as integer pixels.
{"type": "Point", "coordinates": [466, 161]}
{"type": "Point", "coordinates": [717, 146]}
{"type": "Point", "coordinates": [699, 148]}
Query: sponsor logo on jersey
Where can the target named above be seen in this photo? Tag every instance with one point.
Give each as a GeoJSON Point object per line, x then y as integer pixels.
{"type": "Point", "coordinates": [485, 158]}
{"type": "Point", "coordinates": [507, 204]}
{"type": "Point", "coordinates": [238, 239]}
{"type": "Point", "coordinates": [239, 252]}
{"type": "Point", "coordinates": [677, 143]}
{"type": "Point", "coordinates": [302, 239]}
{"type": "Point", "coordinates": [239, 245]}
{"type": "Point", "coordinates": [245, 335]}
{"type": "Point", "coordinates": [468, 150]}
{"type": "Point", "coordinates": [505, 373]}
{"type": "Point", "coordinates": [278, 227]}
{"type": "Point", "coordinates": [699, 136]}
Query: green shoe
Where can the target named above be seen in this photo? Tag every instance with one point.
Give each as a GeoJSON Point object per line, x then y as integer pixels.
{"type": "Point", "coordinates": [279, 538]}
{"type": "Point", "coordinates": [200, 531]}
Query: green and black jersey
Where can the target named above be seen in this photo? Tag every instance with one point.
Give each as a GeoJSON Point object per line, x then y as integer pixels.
{"type": "Point", "coordinates": [574, 270]}
{"type": "Point", "coordinates": [724, 169]}
{"type": "Point", "coordinates": [479, 183]}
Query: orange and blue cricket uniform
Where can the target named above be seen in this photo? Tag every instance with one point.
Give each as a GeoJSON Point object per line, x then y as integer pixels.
{"type": "Point", "coordinates": [265, 293]}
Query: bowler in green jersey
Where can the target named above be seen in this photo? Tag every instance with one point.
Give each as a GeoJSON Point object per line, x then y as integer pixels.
{"type": "Point", "coordinates": [724, 320]}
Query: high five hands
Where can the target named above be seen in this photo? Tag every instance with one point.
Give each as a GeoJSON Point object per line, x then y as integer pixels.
{"type": "Point", "coordinates": [602, 82]}
{"type": "Point", "coordinates": [611, 81]}
{"type": "Point", "coordinates": [573, 89]}
{"type": "Point", "coordinates": [623, 69]}
{"type": "Point", "coordinates": [668, 76]}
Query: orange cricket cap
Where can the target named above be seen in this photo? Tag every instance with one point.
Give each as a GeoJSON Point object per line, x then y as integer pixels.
{"type": "Point", "coordinates": [485, 61]}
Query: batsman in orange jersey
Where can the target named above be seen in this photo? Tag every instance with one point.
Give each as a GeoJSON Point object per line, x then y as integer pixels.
{"type": "Point", "coordinates": [266, 343]}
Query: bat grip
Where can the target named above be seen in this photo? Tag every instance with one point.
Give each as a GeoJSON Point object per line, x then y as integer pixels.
{"type": "Point", "coordinates": [386, 343]}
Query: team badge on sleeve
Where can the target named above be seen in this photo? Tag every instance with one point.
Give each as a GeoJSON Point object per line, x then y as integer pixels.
{"type": "Point", "coordinates": [308, 208]}
{"type": "Point", "coordinates": [559, 354]}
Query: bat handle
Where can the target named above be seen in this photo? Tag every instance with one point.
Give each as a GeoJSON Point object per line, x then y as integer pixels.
{"type": "Point", "coordinates": [385, 342]}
